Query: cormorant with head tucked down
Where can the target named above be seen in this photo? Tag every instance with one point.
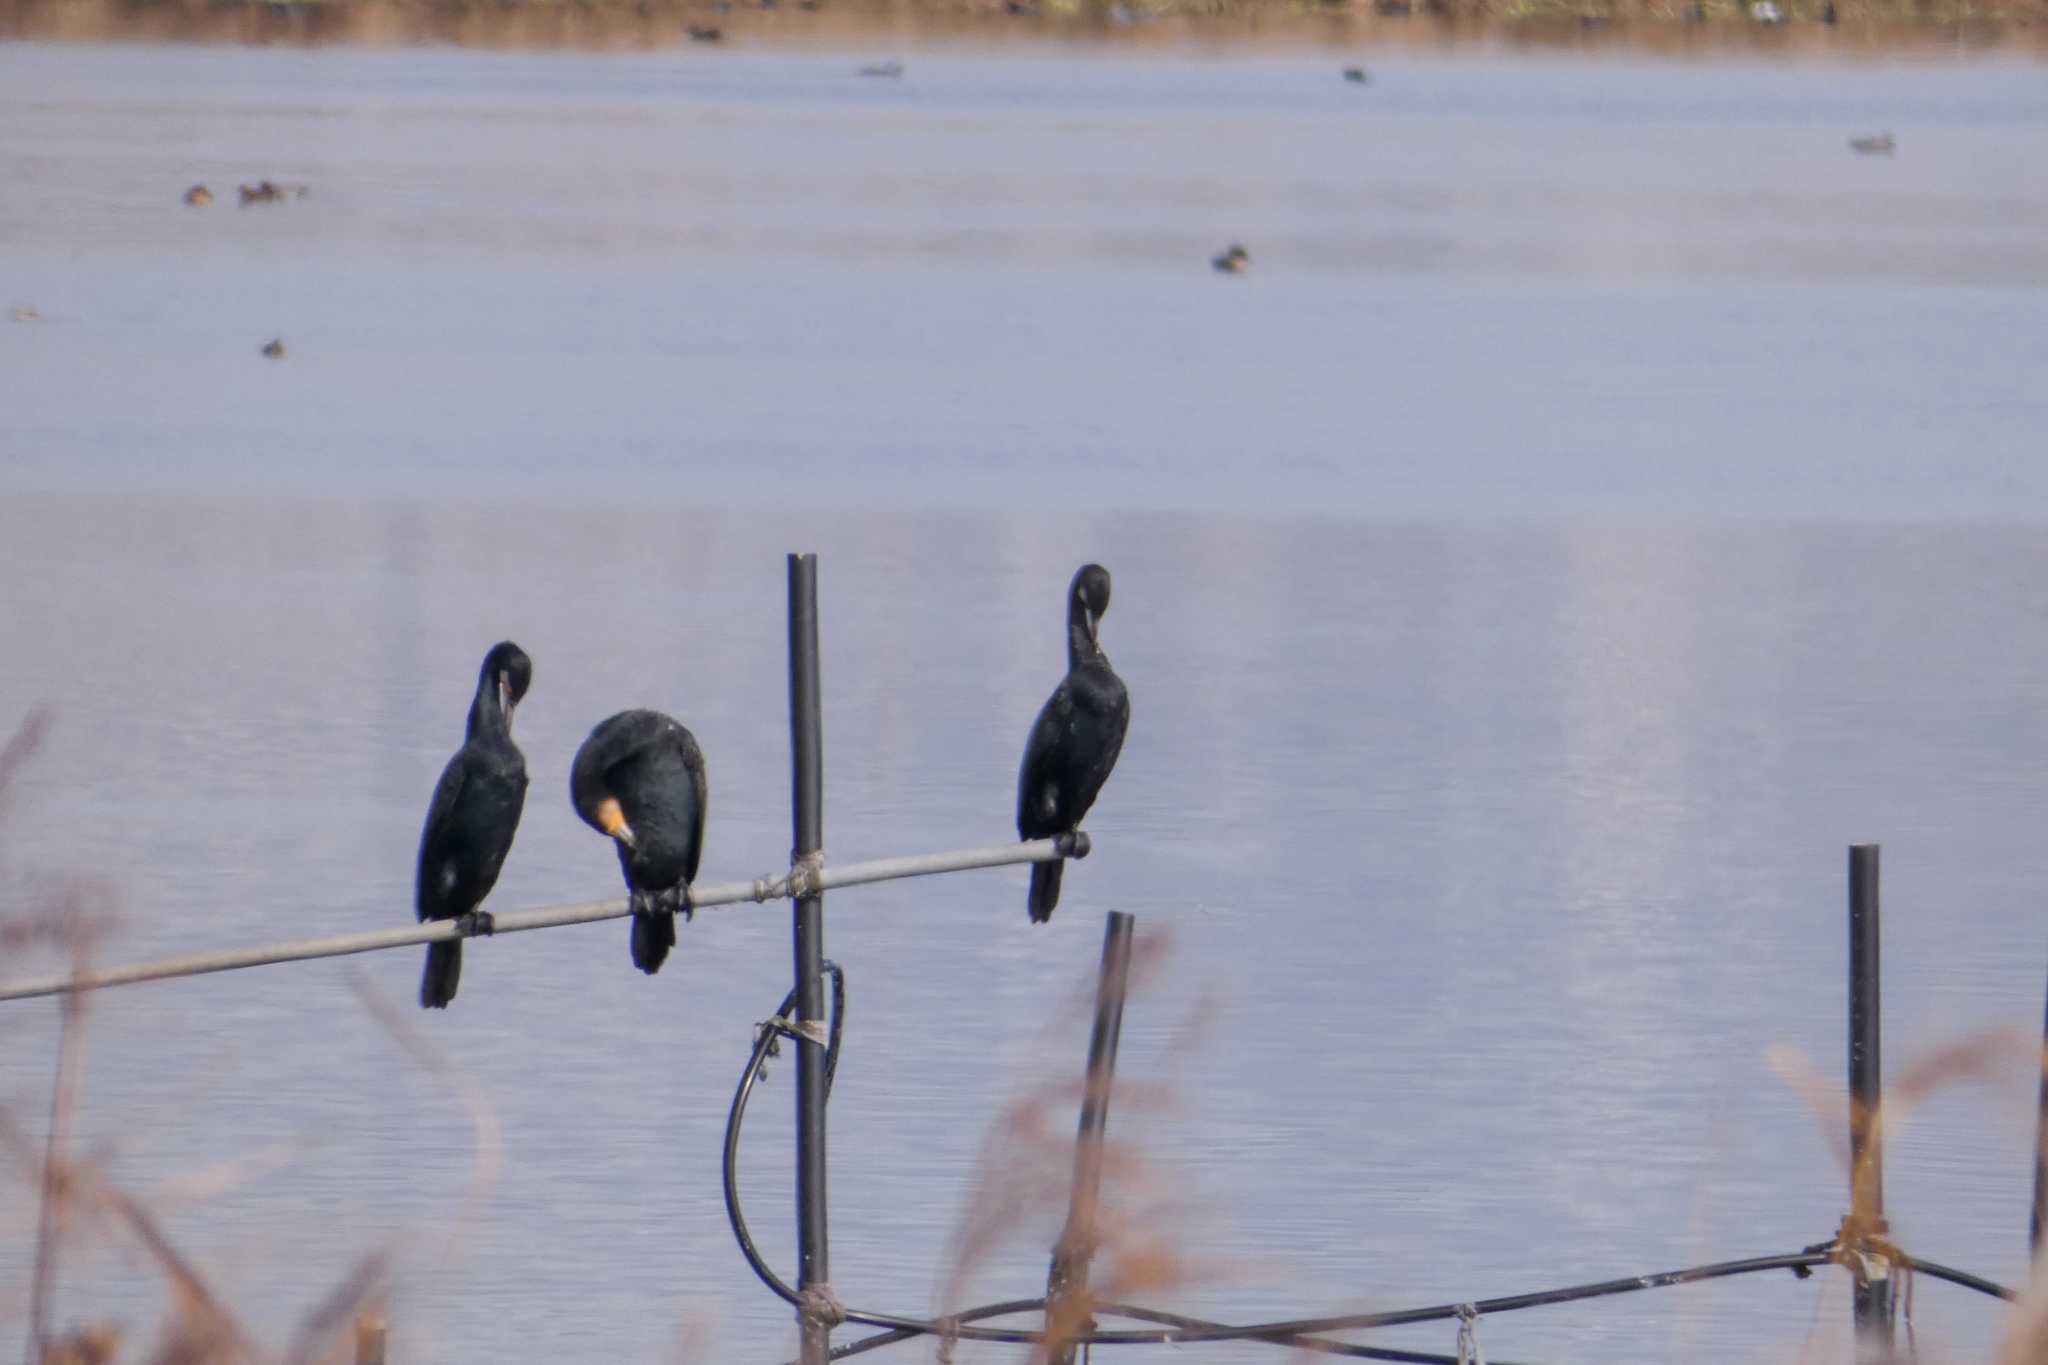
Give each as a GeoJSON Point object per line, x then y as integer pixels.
{"type": "Point", "coordinates": [639, 780]}
{"type": "Point", "coordinates": [472, 819]}
{"type": "Point", "coordinates": [1076, 739]}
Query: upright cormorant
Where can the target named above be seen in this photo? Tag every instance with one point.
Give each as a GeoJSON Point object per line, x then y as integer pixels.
{"type": "Point", "coordinates": [473, 817]}
{"type": "Point", "coordinates": [639, 780]}
{"type": "Point", "coordinates": [1076, 738]}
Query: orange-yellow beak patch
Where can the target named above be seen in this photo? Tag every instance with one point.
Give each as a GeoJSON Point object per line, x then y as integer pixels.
{"type": "Point", "coordinates": [612, 821]}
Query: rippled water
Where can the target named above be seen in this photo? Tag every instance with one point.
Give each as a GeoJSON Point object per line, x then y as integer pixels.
{"type": "Point", "coordinates": [1605, 499]}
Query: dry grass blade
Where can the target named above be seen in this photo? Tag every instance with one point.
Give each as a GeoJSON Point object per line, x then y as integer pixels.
{"type": "Point", "coordinates": [1129, 1244]}
{"type": "Point", "coordinates": [2026, 1334]}
{"type": "Point", "coordinates": [329, 1334]}
{"type": "Point", "coordinates": [51, 1219]}
{"type": "Point", "coordinates": [490, 1134]}
{"type": "Point", "coordinates": [1979, 1057]}
{"type": "Point", "coordinates": [198, 1318]}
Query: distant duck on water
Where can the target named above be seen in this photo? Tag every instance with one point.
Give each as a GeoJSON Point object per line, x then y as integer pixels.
{"type": "Point", "coordinates": [1234, 261]}
{"type": "Point", "coordinates": [1880, 144]}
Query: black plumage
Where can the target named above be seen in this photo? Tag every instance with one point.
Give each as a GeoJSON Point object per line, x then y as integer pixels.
{"type": "Point", "coordinates": [1075, 740]}
{"type": "Point", "coordinates": [639, 780]}
{"type": "Point", "coordinates": [473, 816]}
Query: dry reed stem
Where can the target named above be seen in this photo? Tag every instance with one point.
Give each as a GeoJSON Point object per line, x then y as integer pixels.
{"type": "Point", "coordinates": [78, 1198]}
{"type": "Point", "coordinates": [489, 1161]}
{"type": "Point", "coordinates": [1131, 1243]}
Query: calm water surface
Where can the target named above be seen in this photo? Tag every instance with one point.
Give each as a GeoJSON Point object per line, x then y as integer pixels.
{"type": "Point", "coordinates": [1605, 499]}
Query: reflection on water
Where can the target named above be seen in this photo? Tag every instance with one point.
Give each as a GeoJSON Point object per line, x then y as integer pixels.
{"type": "Point", "coordinates": [1494, 850]}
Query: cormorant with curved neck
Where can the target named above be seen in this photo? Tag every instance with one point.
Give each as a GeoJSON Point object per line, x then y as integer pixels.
{"type": "Point", "coordinates": [472, 819]}
{"type": "Point", "coordinates": [1076, 738]}
{"type": "Point", "coordinates": [639, 781]}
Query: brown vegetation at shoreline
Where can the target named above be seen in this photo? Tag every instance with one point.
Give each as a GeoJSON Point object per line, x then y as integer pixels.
{"type": "Point", "coordinates": [1676, 27]}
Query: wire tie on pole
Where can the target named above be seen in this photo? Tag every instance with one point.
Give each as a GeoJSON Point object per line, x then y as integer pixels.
{"type": "Point", "coordinates": [812, 1031]}
{"type": "Point", "coordinates": [820, 1307]}
{"type": "Point", "coordinates": [803, 875]}
{"type": "Point", "coordinates": [1863, 1249]}
{"type": "Point", "coordinates": [1469, 1352]}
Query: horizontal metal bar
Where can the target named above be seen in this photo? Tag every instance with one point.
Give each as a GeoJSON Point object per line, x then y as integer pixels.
{"type": "Point", "coordinates": [798, 881]}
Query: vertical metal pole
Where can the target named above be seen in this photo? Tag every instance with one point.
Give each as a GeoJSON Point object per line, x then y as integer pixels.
{"type": "Point", "coordinates": [1069, 1274]}
{"type": "Point", "coordinates": [1866, 1091]}
{"type": "Point", "coordinates": [807, 810]}
{"type": "Point", "coordinates": [2040, 1152]}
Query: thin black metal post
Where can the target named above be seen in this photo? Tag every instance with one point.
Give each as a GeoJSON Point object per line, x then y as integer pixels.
{"type": "Point", "coordinates": [2040, 1151]}
{"type": "Point", "coordinates": [807, 809]}
{"type": "Point", "coordinates": [1069, 1274]}
{"type": "Point", "coordinates": [1873, 1299]}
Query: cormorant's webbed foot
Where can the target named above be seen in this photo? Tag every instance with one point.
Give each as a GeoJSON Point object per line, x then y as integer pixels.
{"type": "Point", "coordinates": [1073, 844]}
{"type": "Point", "coordinates": [476, 924]}
{"type": "Point", "coordinates": [683, 906]}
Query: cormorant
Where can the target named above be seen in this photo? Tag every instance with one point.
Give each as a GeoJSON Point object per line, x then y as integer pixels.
{"type": "Point", "coordinates": [473, 817]}
{"type": "Point", "coordinates": [639, 780]}
{"type": "Point", "coordinates": [1076, 738]}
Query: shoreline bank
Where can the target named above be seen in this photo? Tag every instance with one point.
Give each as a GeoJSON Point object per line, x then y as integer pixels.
{"type": "Point", "coordinates": [1802, 29]}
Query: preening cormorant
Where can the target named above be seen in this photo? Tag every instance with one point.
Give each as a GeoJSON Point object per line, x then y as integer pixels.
{"type": "Point", "coordinates": [639, 780]}
{"type": "Point", "coordinates": [1076, 738]}
{"type": "Point", "coordinates": [474, 814]}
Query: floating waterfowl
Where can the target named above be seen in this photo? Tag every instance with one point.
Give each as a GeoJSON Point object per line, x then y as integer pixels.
{"type": "Point", "coordinates": [1880, 144]}
{"type": "Point", "coordinates": [472, 818]}
{"type": "Point", "coordinates": [1234, 261]}
{"type": "Point", "coordinates": [199, 196]}
{"type": "Point", "coordinates": [273, 349]}
{"type": "Point", "coordinates": [1075, 741]}
{"type": "Point", "coordinates": [24, 312]}
{"type": "Point", "coordinates": [639, 781]}
{"type": "Point", "coordinates": [1356, 75]}
{"type": "Point", "coordinates": [705, 33]}
{"type": "Point", "coordinates": [887, 71]}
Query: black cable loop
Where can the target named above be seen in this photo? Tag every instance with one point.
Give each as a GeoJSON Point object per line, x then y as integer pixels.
{"type": "Point", "coordinates": [767, 1042]}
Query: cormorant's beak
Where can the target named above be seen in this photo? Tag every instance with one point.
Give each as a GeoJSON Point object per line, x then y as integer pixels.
{"type": "Point", "coordinates": [612, 821]}
{"type": "Point", "coordinates": [505, 701]}
{"type": "Point", "coordinates": [1094, 624]}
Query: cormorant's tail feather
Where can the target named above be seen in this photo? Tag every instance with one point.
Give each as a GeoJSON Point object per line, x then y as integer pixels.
{"type": "Point", "coordinates": [653, 936]}
{"type": "Point", "coordinates": [444, 971]}
{"type": "Point", "coordinates": [1045, 889]}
